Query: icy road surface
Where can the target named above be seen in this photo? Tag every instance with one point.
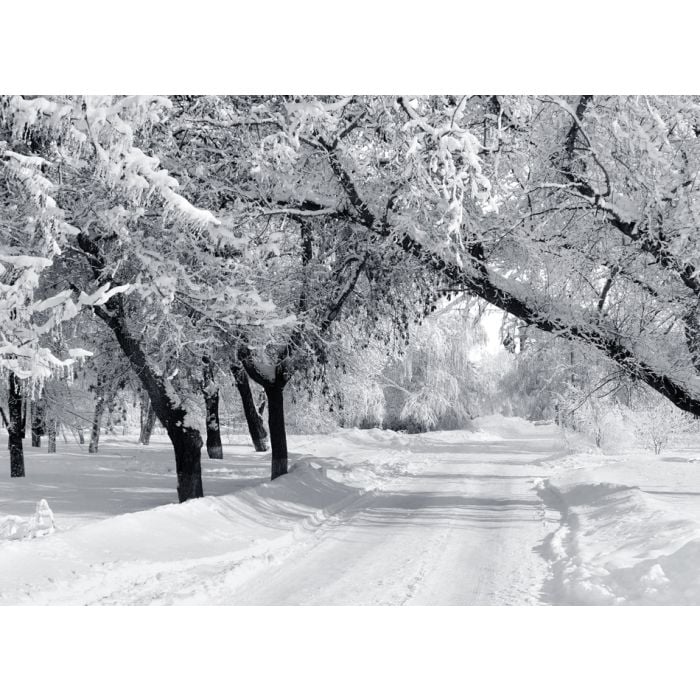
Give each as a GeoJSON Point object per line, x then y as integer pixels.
{"type": "Point", "coordinates": [373, 518]}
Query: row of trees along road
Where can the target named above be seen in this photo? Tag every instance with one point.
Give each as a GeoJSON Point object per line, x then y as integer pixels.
{"type": "Point", "coordinates": [181, 243]}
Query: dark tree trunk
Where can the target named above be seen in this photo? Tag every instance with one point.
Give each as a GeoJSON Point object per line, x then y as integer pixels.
{"type": "Point", "coordinates": [186, 441]}
{"type": "Point", "coordinates": [38, 421]}
{"type": "Point", "coordinates": [256, 427]}
{"type": "Point", "coordinates": [97, 419]}
{"type": "Point", "coordinates": [214, 448]}
{"type": "Point", "coordinates": [14, 427]}
{"type": "Point", "coordinates": [109, 423]}
{"type": "Point", "coordinates": [148, 421]}
{"type": "Point", "coordinates": [274, 393]}
{"type": "Point", "coordinates": [692, 337]}
{"type": "Point", "coordinates": [81, 436]}
{"type": "Point", "coordinates": [211, 412]}
{"type": "Point", "coordinates": [24, 409]}
{"type": "Point", "coordinates": [51, 431]}
{"type": "Point", "coordinates": [278, 431]}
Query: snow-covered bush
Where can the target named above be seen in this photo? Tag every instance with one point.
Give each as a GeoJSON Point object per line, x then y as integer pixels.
{"type": "Point", "coordinates": [657, 422]}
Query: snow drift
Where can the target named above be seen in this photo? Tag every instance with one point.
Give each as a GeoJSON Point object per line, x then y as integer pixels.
{"type": "Point", "coordinates": [147, 553]}
{"type": "Point", "coordinates": [619, 545]}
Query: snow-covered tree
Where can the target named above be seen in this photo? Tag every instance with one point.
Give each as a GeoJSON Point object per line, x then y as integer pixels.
{"type": "Point", "coordinates": [134, 233]}
{"type": "Point", "coordinates": [209, 233]}
{"type": "Point", "coordinates": [575, 216]}
{"type": "Point", "coordinates": [435, 383]}
{"type": "Point", "coordinates": [34, 230]}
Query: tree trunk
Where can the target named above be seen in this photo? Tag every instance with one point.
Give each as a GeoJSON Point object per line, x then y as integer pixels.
{"type": "Point", "coordinates": [143, 412]}
{"type": "Point", "coordinates": [51, 431]}
{"type": "Point", "coordinates": [14, 427]}
{"type": "Point", "coordinates": [186, 441]}
{"type": "Point", "coordinates": [81, 436]}
{"type": "Point", "coordinates": [97, 420]}
{"type": "Point", "coordinates": [274, 393]}
{"type": "Point", "coordinates": [211, 411]}
{"type": "Point", "coordinates": [256, 427]}
{"type": "Point", "coordinates": [278, 432]}
{"type": "Point", "coordinates": [211, 403]}
{"type": "Point", "coordinates": [38, 421]}
{"type": "Point", "coordinates": [148, 421]}
{"type": "Point", "coordinates": [109, 423]}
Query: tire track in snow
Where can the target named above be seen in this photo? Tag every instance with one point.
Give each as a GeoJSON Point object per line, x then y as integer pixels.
{"type": "Point", "coordinates": [188, 581]}
{"type": "Point", "coordinates": [433, 552]}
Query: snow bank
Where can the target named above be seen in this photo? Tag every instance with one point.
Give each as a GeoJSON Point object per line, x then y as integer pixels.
{"type": "Point", "coordinates": [353, 439]}
{"type": "Point", "coordinates": [366, 459]}
{"type": "Point", "coordinates": [143, 557]}
{"type": "Point", "coordinates": [619, 545]}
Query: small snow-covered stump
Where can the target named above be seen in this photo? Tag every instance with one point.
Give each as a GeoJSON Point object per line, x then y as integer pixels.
{"type": "Point", "coordinates": [42, 523]}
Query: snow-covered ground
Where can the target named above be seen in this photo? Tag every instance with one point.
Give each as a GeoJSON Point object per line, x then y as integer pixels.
{"type": "Point", "coordinates": [505, 514]}
{"type": "Point", "coordinates": [630, 528]}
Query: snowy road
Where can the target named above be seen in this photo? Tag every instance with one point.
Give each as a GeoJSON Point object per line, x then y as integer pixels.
{"type": "Point", "coordinates": [446, 518]}
{"type": "Point", "coordinates": [461, 527]}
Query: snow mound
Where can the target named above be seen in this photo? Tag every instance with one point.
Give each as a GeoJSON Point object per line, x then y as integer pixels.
{"type": "Point", "coordinates": [364, 474]}
{"type": "Point", "coordinates": [147, 556]}
{"type": "Point", "coordinates": [619, 545]}
{"type": "Point", "coordinates": [365, 459]}
{"type": "Point", "coordinates": [12, 527]}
